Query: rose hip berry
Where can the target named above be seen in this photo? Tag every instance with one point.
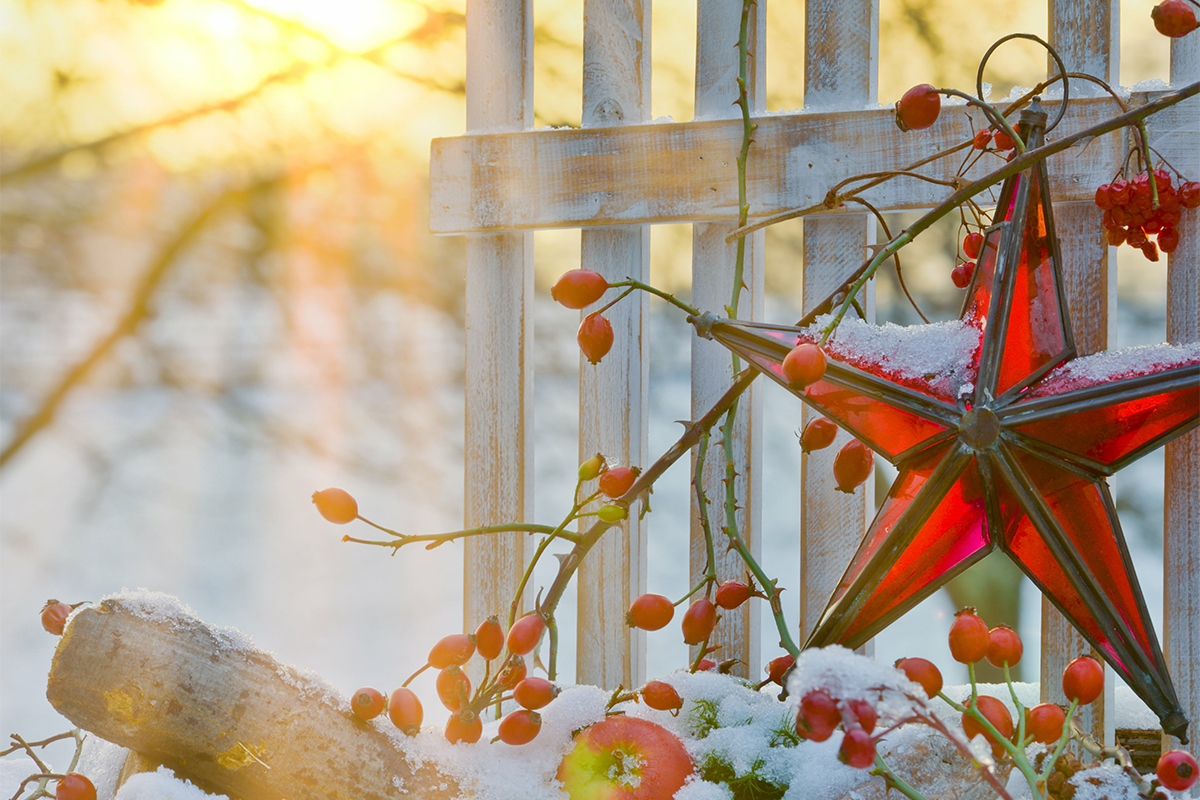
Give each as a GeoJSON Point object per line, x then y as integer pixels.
{"type": "Point", "coordinates": [1004, 646]}
{"type": "Point", "coordinates": [852, 465]}
{"type": "Point", "coordinates": [982, 140]}
{"type": "Point", "coordinates": [969, 637]}
{"type": "Point", "coordinates": [994, 712]}
{"type": "Point", "coordinates": [1083, 680]}
{"type": "Point", "coordinates": [1045, 723]}
{"type": "Point", "coordinates": [611, 513]}
{"type": "Point", "coordinates": [662, 696]}
{"type": "Point", "coordinates": [74, 786]}
{"type": "Point", "coordinates": [368, 703]}
{"type": "Point", "coordinates": [918, 108]}
{"type": "Point", "coordinates": [54, 616]}
{"type": "Point", "coordinates": [650, 612]}
{"type": "Point", "coordinates": [803, 365]}
{"type": "Point", "coordinates": [591, 469]}
{"type": "Point", "coordinates": [818, 716]}
{"type": "Point", "coordinates": [453, 650]}
{"type": "Point", "coordinates": [404, 710]}
{"type": "Point", "coordinates": [534, 693]}
{"type": "Point", "coordinates": [1003, 141]}
{"type": "Point", "coordinates": [579, 287]}
{"type": "Point", "coordinates": [705, 665]}
{"type": "Point", "coordinates": [1174, 18]}
{"type": "Point", "coordinates": [489, 638]}
{"type": "Point", "coordinates": [465, 726]}
{"type": "Point", "coordinates": [818, 434]}
{"type": "Point", "coordinates": [595, 337]}
{"type": "Point", "coordinates": [698, 621]}
{"type": "Point", "coordinates": [860, 713]}
{"type": "Point", "coordinates": [336, 505]}
{"type": "Point", "coordinates": [513, 674]}
{"type": "Point", "coordinates": [520, 727]}
{"type": "Point", "coordinates": [778, 667]}
{"type": "Point", "coordinates": [924, 672]}
{"type": "Point", "coordinates": [616, 482]}
{"type": "Point", "coordinates": [731, 594]}
{"type": "Point", "coordinates": [453, 688]}
{"type": "Point", "coordinates": [525, 634]}
{"type": "Point", "coordinates": [1177, 770]}
{"type": "Point", "coordinates": [857, 749]}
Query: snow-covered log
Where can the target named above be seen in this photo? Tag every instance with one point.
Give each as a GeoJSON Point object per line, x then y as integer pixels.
{"type": "Point", "coordinates": [205, 702]}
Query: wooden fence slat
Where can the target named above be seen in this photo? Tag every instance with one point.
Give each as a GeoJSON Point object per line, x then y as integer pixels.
{"type": "Point", "coordinates": [499, 283]}
{"type": "Point", "coordinates": [712, 283]}
{"type": "Point", "coordinates": [1181, 534]}
{"type": "Point", "coordinates": [841, 46]}
{"type": "Point", "coordinates": [684, 172]}
{"type": "Point", "coordinates": [613, 394]}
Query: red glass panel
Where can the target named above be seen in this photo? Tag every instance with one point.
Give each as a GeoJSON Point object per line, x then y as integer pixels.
{"type": "Point", "coordinates": [1111, 432]}
{"type": "Point", "coordinates": [889, 430]}
{"type": "Point", "coordinates": [979, 293]}
{"type": "Point", "coordinates": [1080, 508]}
{"type": "Point", "coordinates": [953, 537]}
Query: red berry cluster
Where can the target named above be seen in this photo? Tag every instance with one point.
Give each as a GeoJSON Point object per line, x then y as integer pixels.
{"type": "Point", "coordinates": [1131, 218]}
{"type": "Point", "coordinates": [972, 246]}
{"type": "Point", "coordinates": [820, 715]}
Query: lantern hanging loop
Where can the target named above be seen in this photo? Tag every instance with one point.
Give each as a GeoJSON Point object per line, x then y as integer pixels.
{"type": "Point", "coordinates": [1062, 70]}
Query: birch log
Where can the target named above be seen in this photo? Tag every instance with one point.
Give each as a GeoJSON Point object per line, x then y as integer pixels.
{"type": "Point", "coordinates": [221, 713]}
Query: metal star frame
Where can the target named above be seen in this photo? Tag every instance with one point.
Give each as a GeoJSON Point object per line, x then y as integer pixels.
{"type": "Point", "coordinates": [1007, 450]}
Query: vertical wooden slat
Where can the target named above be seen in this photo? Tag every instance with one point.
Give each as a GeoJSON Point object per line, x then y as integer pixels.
{"type": "Point", "coordinates": [613, 394]}
{"type": "Point", "coordinates": [1085, 34]}
{"type": "Point", "coordinates": [1181, 535]}
{"type": "Point", "coordinates": [841, 45]}
{"type": "Point", "coordinates": [499, 283]}
{"type": "Point", "coordinates": [718, 23]}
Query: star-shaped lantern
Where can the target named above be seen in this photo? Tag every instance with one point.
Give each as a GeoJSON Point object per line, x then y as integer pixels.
{"type": "Point", "coordinates": [1003, 438]}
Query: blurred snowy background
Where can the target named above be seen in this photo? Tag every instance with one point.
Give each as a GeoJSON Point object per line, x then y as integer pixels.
{"type": "Point", "coordinates": [244, 184]}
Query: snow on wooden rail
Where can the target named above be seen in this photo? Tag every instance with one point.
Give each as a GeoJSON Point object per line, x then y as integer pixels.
{"type": "Point", "coordinates": [144, 673]}
{"type": "Point", "coordinates": [501, 180]}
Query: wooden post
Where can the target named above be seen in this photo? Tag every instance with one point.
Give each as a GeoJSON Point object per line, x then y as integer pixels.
{"type": "Point", "coordinates": [718, 23]}
{"type": "Point", "coordinates": [613, 395]}
{"type": "Point", "coordinates": [499, 284]}
{"type": "Point", "coordinates": [841, 45]}
{"type": "Point", "coordinates": [219, 712]}
{"type": "Point", "coordinates": [1181, 535]}
{"type": "Point", "coordinates": [1089, 267]}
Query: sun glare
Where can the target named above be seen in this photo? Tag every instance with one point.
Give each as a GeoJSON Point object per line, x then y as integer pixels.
{"type": "Point", "coordinates": [352, 24]}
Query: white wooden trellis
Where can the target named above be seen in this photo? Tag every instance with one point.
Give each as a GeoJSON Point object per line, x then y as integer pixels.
{"type": "Point", "coordinates": [618, 174]}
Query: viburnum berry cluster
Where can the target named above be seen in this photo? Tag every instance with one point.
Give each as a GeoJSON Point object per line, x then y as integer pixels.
{"type": "Point", "coordinates": [1145, 206]}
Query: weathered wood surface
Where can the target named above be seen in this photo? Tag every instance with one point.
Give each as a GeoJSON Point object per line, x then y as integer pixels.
{"type": "Point", "coordinates": [842, 43]}
{"type": "Point", "coordinates": [1181, 534]}
{"type": "Point", "coordinates": [228, 716]}
{"type": "Point", "coordinates": [614, 394]}
{"type": "Point", "coordinates": [737, 634]}
{"type": "Point", "coordinates": [499, 327]}
{"type": "Point", "coordinates": [685, 172]}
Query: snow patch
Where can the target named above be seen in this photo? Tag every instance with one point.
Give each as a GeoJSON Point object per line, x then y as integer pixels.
{"type": "Point", "coordinates": [1113, 365]}
{"type": "Point", "coordinates": [162, 785]}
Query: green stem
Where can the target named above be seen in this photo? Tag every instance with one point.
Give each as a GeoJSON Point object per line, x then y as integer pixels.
{"type": "Point", "coordinates": [645, 287]}
{"type": "Point", "coordinates": [1145, 137]}
{"type": "Point", "coordinates": [894, 781]}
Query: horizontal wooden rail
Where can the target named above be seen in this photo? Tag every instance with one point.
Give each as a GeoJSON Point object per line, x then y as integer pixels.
{"type": "Point", "coordinates": [685, 172]}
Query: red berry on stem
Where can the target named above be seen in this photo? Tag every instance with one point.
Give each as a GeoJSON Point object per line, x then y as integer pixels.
{"type": "Point", "coordinates": [996, 713]}
{"type": "Point", "coordinates": [616, 482]}
{"type": "Point", "coordinates": [1004, 646]}
{"type": "Point", "coordinates": [595, 337]}
{"type": "Point", "coordinates": [513, 674]}
{"type": "Point", "coordinates": [1168, 240]}
{"type": "Point", "coordinates": [924, 672]}
{"type": "Point", "coordinates": [969, 637]}
{"type": "Point", "coordinates": [778, 667]}
{"type": "Point", "coordinates": [1116, 236]}
{"type": "Point", "coordinates": [962, 274]}
{"type": "Point", "coordinates": [1149, 250]}
{"type": "Point", "coordinates": [1177, 770]}
{"type": "Point", "coordinates": [404, 710]}
{"type": "Point", "coordinates": [1083, 680]}
{"type": "Point", "coordinates": [918, 108]}
{"type": "Point", "coordinates": [1189, 194]}
{"type": "Point", "coordinates": [662, 696]}
{"type": "Point", "coordinates": [336, 505]}
{"type": "Point", "coordinates": [520, 727]}
{"type": "Point", "coordinates": [1104, 198]}
{"type": "Point", "coordinates": [579, 287]}
{"type": "Point", "coordinates": [650, 612]}
{"type": "Point", "coordinates": [972, 244]}
{"type": "Point", "coordinates": [489, 638]}
{"type": "Point", "coordinates": [54, 616]}
{"type": "Point", "coordinates": [453, 650]}
{"type": "Point", "coordinates": [857, 749]}
{"type": "Point", "coordinates": [860, 713]}
{"type": "Point", "coordinates": [74, 786]}
{"type": "Point", "coordinates": [732, 594]}
{"type": "Point", "coordinates": [818, 716]}
{"type": "Point", "coordinates": [1045, 723]}
{"type": "Point", "coordinates": [534, 693]}
{"type": "Point", "coordinates": [1003, 141]}
{"type": "Point", "coordinates": [698, 621]}
{"type": "Point", "coordinates": [525, 634]}
{"type": "Point", "coordinates": [1174, 18]}
{"type": "Point", "coordinates": [804, 365]}
{"type": "Point", "coordinates": [818, 434]}
{"type": "Point", "coordinates": [368, 703]}
{"type": "Point", "coordinates": [465, 726]}
{"type": "Point", "coordinates": [982, 140]}
{"type": "Point", "coordinates": [705, 665]}
{"type": "Point", "coordinates": [852, 465]}
{"type": "Point", "coordinates": [1120, 192]}
{"type": "Point", "coordinates": [453, 688]}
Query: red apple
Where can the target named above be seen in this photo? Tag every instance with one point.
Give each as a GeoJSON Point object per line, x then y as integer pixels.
{"type": "Point", "coordinates": [625, 758]}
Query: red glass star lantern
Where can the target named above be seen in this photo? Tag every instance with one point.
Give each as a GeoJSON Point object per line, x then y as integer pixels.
{"type": "Point", "coordinates": [1003, 438]}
